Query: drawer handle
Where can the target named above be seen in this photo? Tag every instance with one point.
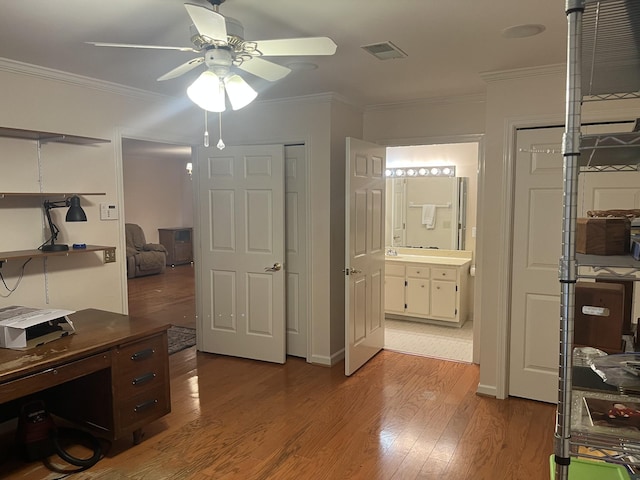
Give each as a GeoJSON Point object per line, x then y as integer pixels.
{"type": "Point", "coordinates": [141, 407]}
{"type": "Point", "coordinates": [147, 377]}
{"type": "Point", "coordinates": [142, 354]}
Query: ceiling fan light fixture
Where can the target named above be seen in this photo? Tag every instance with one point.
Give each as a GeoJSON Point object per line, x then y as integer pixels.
{"type": "Point", "coordinates": [239, 91]}
{"type": "Point", "coordinates": [208, 92]}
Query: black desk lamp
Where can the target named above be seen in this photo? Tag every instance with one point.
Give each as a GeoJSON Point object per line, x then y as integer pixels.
{"type": "Point", "coordinates": [74, 214]}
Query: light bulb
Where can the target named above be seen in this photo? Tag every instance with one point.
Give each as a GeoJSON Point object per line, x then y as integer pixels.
{"type": "Point", "coordinates": [208, 92]}
{"type": "Point", "coordinates": [239, 92]}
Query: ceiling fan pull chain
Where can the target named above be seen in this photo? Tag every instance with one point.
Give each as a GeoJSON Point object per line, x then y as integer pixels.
{"type": "Point", "coordinates": [206, 130]}
{"type": "Point", "coordinates": [220, 144]}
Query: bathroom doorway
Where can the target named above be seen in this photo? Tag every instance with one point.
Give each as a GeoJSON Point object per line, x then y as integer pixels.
{"type": "Point", "coordinates": [413, 335]}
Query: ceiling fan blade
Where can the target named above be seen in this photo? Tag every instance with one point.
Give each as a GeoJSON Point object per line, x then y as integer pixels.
{"type": "Point", "coordinates": [239, 92]}
{"type": "Point", "coordinates": [297, 46]}
{"type": "Point", "coordinates": [209, 24]}
{"type": "Point", "coordinates": [182, 69]}
{"type": "Point", "coordinates": [265, 69]}
{"type": "Point", "coordinates": [131, 45]}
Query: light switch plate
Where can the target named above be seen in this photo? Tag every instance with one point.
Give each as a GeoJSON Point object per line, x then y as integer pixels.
{"type": "Point", "coordinates": [108, 211]}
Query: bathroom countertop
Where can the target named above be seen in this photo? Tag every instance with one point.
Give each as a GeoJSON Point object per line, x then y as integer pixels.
{"type": "Point", "coordinates": [428, 259]}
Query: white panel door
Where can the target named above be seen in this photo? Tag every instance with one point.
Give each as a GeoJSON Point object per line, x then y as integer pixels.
{"type": "Point", "coordinates": [608, 190]}
{"type": "Point", "coordinates": [241, 236]}
{"type": "Point", "coordinates": [537, 239]}
{"type": "Point", "coordinates": [296, 247]}
{"type": "Point", "coordinates": [535, 288]}
{"type": "Point", "coordinates": [364, 269]}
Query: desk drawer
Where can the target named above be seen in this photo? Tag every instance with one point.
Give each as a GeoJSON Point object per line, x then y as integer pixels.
{"type": "Point", "coordinates": [53, 376]}
{"type": "Point", "coordinates": [139, 410]}
{"type": "Point", "coordinates": [141, 366]}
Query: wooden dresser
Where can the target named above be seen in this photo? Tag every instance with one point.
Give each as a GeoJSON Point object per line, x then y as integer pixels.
{"type": "Point", "coordinates": [178, 243]}
{"type": "Point", "coordinates": [111, 376]}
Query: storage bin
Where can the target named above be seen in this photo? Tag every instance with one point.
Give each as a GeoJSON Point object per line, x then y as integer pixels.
{"type": "Point", "coordinates": [603, 236]}
{"type": "Point", "coordinates": [584, 469]}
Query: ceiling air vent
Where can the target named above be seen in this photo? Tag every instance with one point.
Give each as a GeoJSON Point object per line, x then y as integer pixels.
{"type": "Point", "coordinates": [384, 51]}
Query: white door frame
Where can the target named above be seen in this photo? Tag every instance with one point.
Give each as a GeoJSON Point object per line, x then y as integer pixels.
{"type": "Point", "coordinates": [438, 140]}
{"type": "Point", "coordinates": [505, 237]}
{"type": "Point", "coordinates": [149, 136]}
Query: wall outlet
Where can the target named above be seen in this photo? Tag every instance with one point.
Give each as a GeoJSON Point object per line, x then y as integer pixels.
{"type": "Point", "coordinates": [110, 255]}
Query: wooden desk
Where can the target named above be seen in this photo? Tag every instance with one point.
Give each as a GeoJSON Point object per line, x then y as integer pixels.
{"type": "Point", "coordinates": [112, 375]}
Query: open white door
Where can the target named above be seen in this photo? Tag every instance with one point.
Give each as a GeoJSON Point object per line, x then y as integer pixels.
{"type": "Point", "coordinates": [364, 269]}
{"type": "Point", "coordinates": [241, 238]}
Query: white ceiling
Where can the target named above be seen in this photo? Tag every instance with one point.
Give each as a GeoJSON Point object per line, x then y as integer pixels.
{"type": "Point", "coordinates": [449, 42]}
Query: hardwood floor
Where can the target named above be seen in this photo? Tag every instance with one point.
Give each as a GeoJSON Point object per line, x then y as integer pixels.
{"type": "Point", "coordinates": [167, 297]}
{"type": "Point", "coordinates": [399, 417]}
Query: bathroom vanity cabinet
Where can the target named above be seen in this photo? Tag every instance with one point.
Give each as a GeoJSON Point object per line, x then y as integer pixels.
{"type": "Point", "coordinates": [427, 288]}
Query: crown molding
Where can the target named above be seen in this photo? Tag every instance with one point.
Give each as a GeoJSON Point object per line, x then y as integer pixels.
{"type": "Point", "coordinates": [13, 66]}
{"type": "Point", "coordinates": [501, 75]}
{"type": "Point", "coordinates": [425, 102]}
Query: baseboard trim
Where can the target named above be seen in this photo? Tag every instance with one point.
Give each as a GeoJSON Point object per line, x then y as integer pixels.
{"type": "Point", "coordinates": [487, 390]}
{"type": "Point", "coordinates": [327, 361]}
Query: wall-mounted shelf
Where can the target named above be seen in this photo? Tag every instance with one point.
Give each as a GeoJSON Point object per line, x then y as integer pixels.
{"type": "Point", "coordinates": [24, 254]}
{"type": "Point", "coordinates": [46, 194]}
{"type": "Point", "coordinates": [44, 137]}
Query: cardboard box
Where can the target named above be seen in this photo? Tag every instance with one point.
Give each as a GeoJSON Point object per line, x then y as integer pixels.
{"type": "Point", "coordinates": [24, 327]}
{"type": "Point", "coordinates": [603, 236]}
{"type": "Point", "coordinates": [599, 316]}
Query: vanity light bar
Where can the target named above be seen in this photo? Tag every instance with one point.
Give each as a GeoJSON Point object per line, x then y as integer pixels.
{"type": "Point", "coordinates": [426, 171]}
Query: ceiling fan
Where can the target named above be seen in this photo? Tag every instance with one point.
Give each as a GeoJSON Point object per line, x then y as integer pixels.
{"type": "Point", "coordinates": [220, 41]}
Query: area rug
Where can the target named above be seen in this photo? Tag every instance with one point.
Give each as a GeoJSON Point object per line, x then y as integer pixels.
{"type": "Point", "coordinates": [180, 338]}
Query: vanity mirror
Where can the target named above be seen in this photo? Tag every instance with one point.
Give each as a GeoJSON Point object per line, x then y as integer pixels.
{"type": "Point", "coordinates": [426, 211]}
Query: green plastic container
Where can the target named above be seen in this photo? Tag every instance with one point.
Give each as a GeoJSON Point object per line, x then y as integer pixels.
{"type": "Point", "coordinates": [585, 469]}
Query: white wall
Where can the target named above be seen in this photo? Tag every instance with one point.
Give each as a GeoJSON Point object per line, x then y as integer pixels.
{"type": "Point", "coordinates": [158, 193]}
{"type": "Point", "coordinates": [425, 121]}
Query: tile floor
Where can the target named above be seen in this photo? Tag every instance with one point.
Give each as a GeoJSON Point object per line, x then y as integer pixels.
{"type": "Point", "coordinates": [447, 343]}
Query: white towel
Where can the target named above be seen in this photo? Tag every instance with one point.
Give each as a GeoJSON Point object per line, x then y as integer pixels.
{"type": "Point", "coordinates": [429, 216]}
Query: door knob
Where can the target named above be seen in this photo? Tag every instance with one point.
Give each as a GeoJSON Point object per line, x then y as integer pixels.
{"type": "Point", "coordinates": [275, 268]}
{"type": "Point", "coordinates": [355, 270]}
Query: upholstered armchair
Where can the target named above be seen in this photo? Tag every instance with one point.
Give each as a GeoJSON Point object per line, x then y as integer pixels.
{"type": "Point", "coordinates": [143, 258]}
